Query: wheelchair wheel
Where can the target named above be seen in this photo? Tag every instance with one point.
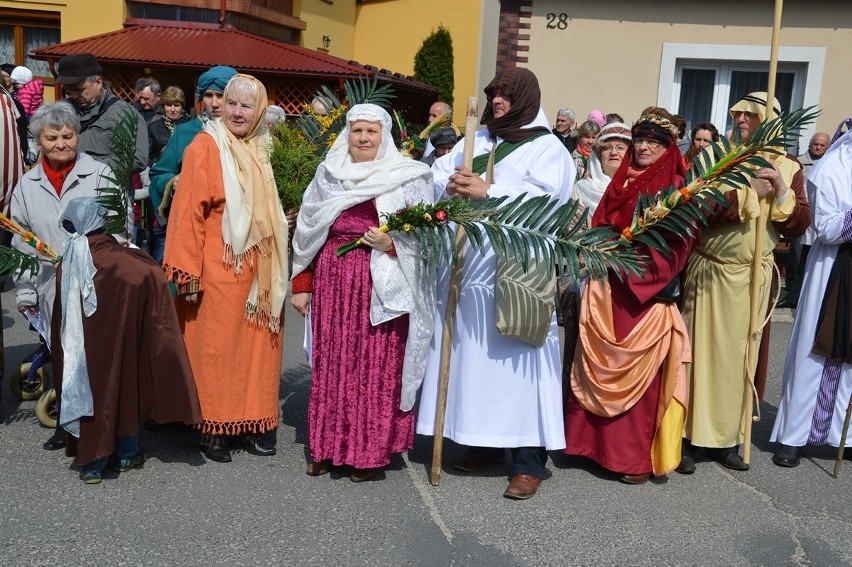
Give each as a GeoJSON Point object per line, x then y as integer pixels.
{"type": "Point", "coordinates": [46, 409]}
{"type": "Point", "coordinates": [25, 389]}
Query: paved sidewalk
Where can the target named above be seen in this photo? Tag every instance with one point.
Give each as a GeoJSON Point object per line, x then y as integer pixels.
{"type": "Point", "coordinates": [182, 510]}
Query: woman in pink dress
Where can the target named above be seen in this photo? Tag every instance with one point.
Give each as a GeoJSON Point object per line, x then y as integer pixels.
{"type": "Point", "coordinates": [371, 309]}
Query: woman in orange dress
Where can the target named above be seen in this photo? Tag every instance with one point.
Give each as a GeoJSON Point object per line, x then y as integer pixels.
{"type": "Point", "coordinates": [226, 249]}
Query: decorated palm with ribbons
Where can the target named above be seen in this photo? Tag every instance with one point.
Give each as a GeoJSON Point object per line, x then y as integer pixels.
{"type": "Point", "coordinates": [540, 230]}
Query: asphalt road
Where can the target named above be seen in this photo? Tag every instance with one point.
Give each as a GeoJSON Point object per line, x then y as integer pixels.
{"type": "Point", "coordinates": [182, 510]}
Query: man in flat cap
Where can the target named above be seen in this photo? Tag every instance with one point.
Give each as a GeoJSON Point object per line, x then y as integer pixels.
{"type": "Point", "coordinates": [99, 110]}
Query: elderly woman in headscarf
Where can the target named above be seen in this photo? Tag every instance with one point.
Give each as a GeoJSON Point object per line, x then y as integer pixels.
{"type": "Point", "coordinates": [371, 309]}
{"type": "Point", "coordinates": [627, 403]}
{"type": "Point", "coordinates": [63, 173]}
{"type": "Point", "coordinates": [114, 299]}
{"type": "Point", "coordinates": [226, 249]}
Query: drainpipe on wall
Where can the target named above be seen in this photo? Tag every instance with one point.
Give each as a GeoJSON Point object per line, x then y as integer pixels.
{"type": "Point", "coordinates": [222, 12]}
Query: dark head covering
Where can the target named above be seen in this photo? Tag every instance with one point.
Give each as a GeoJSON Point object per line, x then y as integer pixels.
{"type": "Point", "coordinates": [443, 137]}
{"type": "Point", "coordinates": [655, 127]}
{"type": "Point", "coordinates": [74, 68]}
{"type": "Point", "coordinates": [520, 86]}
{"type": "Point", "coordinates": [215, 78]}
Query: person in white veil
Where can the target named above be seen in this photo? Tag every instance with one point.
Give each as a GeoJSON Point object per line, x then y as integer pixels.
{"type": "Point", "coordinates": [371, 309]}
{"type": "Point", "coordinates": [610, 148]}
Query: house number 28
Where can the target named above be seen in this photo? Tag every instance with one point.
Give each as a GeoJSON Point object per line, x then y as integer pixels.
{"type": "Point", "coordinates": [557, 21]}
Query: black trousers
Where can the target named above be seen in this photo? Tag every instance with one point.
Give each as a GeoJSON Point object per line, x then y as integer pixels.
{"type": "Point", "coordinates": [525, 460]}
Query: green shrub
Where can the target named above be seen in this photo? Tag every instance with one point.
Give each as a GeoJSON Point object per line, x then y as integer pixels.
{"type": "Point", "coordinates": [433, 63]}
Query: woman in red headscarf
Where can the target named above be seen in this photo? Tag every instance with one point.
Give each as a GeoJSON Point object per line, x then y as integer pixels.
{"type": "Point", "coordinates": [627, 403]}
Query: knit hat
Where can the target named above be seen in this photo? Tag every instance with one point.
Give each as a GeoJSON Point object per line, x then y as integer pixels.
{"type": "Point", "coordinates": [756, 103]}
{"type": "Point", "coordinates": [214, 79]}
{"type": "Point", "coordinates": [614, 130]}
{"type": "Point", "coordinates": [21, 75]}
{"type": "Point", "coordinates": [74, 68]}
{"type": "Point", "coordinates": [597, 117]}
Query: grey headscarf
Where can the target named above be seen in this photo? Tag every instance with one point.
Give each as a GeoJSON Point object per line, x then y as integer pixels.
{"type": "Point", "coordinates": [80, 217]}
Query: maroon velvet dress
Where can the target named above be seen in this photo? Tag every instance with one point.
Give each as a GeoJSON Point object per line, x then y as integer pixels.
{"type": "Point", "coordinates": [353, 412]}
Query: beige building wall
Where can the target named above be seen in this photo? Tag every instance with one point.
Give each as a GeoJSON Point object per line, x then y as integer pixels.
{"type": "Point", "coordinates": [621, 55]}
{"type": "Point", "coordinates": [334, 20]}
{"type": "Point", "coordinates": [388, 34]}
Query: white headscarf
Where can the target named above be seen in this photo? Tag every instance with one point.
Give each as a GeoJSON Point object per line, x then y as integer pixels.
{"type": "Point", "coordinates": [83, 215]}
{"type": "Point", "coordinates": [400, 284]}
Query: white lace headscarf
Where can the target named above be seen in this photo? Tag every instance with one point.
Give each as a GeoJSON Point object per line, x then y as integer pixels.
{"type": "Point", "coordinates": [400, 284]}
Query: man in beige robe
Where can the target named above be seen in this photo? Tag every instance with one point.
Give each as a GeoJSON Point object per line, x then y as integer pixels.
{"type": "Point", "coordinates": [716, 303]}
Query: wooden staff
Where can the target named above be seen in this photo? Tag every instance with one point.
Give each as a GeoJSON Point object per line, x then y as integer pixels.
{"type": "Point", "coordinates": [470, 127]}
{"type": "Point", "coordinates": [842, 440]}
{"type": "Point", "coordinates": [757, 301]}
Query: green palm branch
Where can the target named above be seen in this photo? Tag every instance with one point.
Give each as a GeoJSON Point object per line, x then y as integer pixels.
{"type": "Point", "coordinates": [528, 230]}
{"type": "Point", "coordinates": [115, 196]}
{"type": "Point", "coordinates": [361, 90]}
{"type": "Point", "coordinates": [367, 89]}
{"type": "Point", "coordinates": [538, 229]}
{"type": "Point", "coordinates": [726, 164]}
{"type": "Point", "coordinates": [14, 263]}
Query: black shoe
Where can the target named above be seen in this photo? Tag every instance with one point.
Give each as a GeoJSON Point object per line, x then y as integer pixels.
{"type": "Point", "coordinates": [56, 441]}
{"type": "Point", "coordinates": [730, 459]}
{"type": "Point", "coordinates": [256, 446]}
{"type": "Point", "coordinates": [787, 303]}
{"type": "Point", "coordinates": [787, 456]}
{"type": "Point", "coordinates": [218, 453]}
{"type": "Point", "coordinates": [687, 464]}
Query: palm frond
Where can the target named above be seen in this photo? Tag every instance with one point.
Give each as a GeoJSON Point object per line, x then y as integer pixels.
{"type": "Point", "coordinates": [14, 263]}
{"type": "Point", "coordinates": [115, 196]}
{"type": "Point", "coordinates": [728, 164]}
{"type": "Point", "coordinates": [367, 89]}
{"type": "Point", "coordinates": [538, 229]}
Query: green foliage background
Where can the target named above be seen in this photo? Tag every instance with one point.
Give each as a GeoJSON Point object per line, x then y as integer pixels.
{"type": "Point", "coordinates": [433, 63]}
{"type": "Point", "coordinates": [294, 162]}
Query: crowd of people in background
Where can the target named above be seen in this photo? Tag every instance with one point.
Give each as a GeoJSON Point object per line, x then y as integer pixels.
{"type": "Point", "coordinates": [639, 386]}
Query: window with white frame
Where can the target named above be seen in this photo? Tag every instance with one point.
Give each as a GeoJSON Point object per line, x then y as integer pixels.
{"type": "Point", "coordinates": [704, 92]}
{"type": "Point", "coordinates": [702, 81]}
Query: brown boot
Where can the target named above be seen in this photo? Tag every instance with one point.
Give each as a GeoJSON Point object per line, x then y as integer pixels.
{"type": "Point", "coordinates": [522, 487]}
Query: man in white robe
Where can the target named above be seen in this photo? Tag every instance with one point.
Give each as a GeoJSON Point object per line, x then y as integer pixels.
{"type": "Point", "coordinates": [816, 389]}
{"type": "Point", "coordinates": [503, 393]}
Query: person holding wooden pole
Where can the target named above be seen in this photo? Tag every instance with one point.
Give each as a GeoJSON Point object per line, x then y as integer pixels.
{"type": "Point", "coordinates": [505, 387]}
{"type": "Point", "coordinates": [716, 305]}
{"type": "Point", "coordinates": [817, 374]}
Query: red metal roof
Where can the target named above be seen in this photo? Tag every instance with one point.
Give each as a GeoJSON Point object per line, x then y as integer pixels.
{"type": "Point", "coordinates": [199, 46]}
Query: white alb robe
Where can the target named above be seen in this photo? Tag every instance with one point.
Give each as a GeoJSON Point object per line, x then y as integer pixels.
{"type": "Point", "coordinates": [502, 392]}
{"type": "Point", "coordinates": [830, 192]}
